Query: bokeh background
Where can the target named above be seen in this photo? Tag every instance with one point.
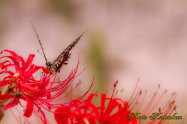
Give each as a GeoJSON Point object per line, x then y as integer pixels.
{"type": "Point", "coordinates": [125, 40]}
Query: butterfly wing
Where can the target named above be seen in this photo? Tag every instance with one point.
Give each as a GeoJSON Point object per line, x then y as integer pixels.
{"type": "Point", "coordinates": [63, 57]}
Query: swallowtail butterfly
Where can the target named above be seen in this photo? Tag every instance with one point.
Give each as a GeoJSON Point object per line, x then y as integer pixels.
{"type": "Point", "coordinates": [61, 59]}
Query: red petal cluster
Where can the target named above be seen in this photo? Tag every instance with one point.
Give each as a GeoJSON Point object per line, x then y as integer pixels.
{"type": "Point", "coordinates": [109, 111]}
{"type": "Point", "coordinates": [30, 84]}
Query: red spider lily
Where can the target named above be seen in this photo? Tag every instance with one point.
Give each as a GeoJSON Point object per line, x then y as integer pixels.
{"type": "Point", "coordinates": [19, 83]}
{"type": "Point", "coordinates": [110, 111]}
{"type": "Point", "coordinates": [117, 111]}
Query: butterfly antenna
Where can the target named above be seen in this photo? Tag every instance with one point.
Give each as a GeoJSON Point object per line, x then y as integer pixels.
{"type": "Point", "coordinates": [39, 43]}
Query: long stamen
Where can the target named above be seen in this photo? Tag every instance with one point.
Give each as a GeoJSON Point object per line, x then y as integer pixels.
{"type": "Point", "coordinates": [151, 101]}
{"type": "Point", "coordinates": [132, 96]}
{"type": "Point", "coordinates": [111, 98]}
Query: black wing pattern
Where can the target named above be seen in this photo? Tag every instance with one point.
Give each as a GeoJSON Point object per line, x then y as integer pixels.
{"type": "Point", "coordinates": [62, 58]}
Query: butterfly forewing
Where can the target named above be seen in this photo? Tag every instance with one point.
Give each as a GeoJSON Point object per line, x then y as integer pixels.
{"type": "Point", "coordinates": [63, 57]}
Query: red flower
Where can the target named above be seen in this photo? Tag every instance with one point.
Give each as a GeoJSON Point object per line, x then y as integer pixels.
{"type": "Point", "coordinates": [110, 111]}
{"type": "Point", "coordinates": [22, 82]}
{"type": "Point", "coordinates": [117, 111]}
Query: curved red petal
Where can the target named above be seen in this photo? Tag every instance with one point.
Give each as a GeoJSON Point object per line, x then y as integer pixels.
{"type": "Point", "coordinates": [29, 108]}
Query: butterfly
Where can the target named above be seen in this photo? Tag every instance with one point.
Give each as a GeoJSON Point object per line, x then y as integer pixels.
{"type": "Point", "coordinates": [62, 59]}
